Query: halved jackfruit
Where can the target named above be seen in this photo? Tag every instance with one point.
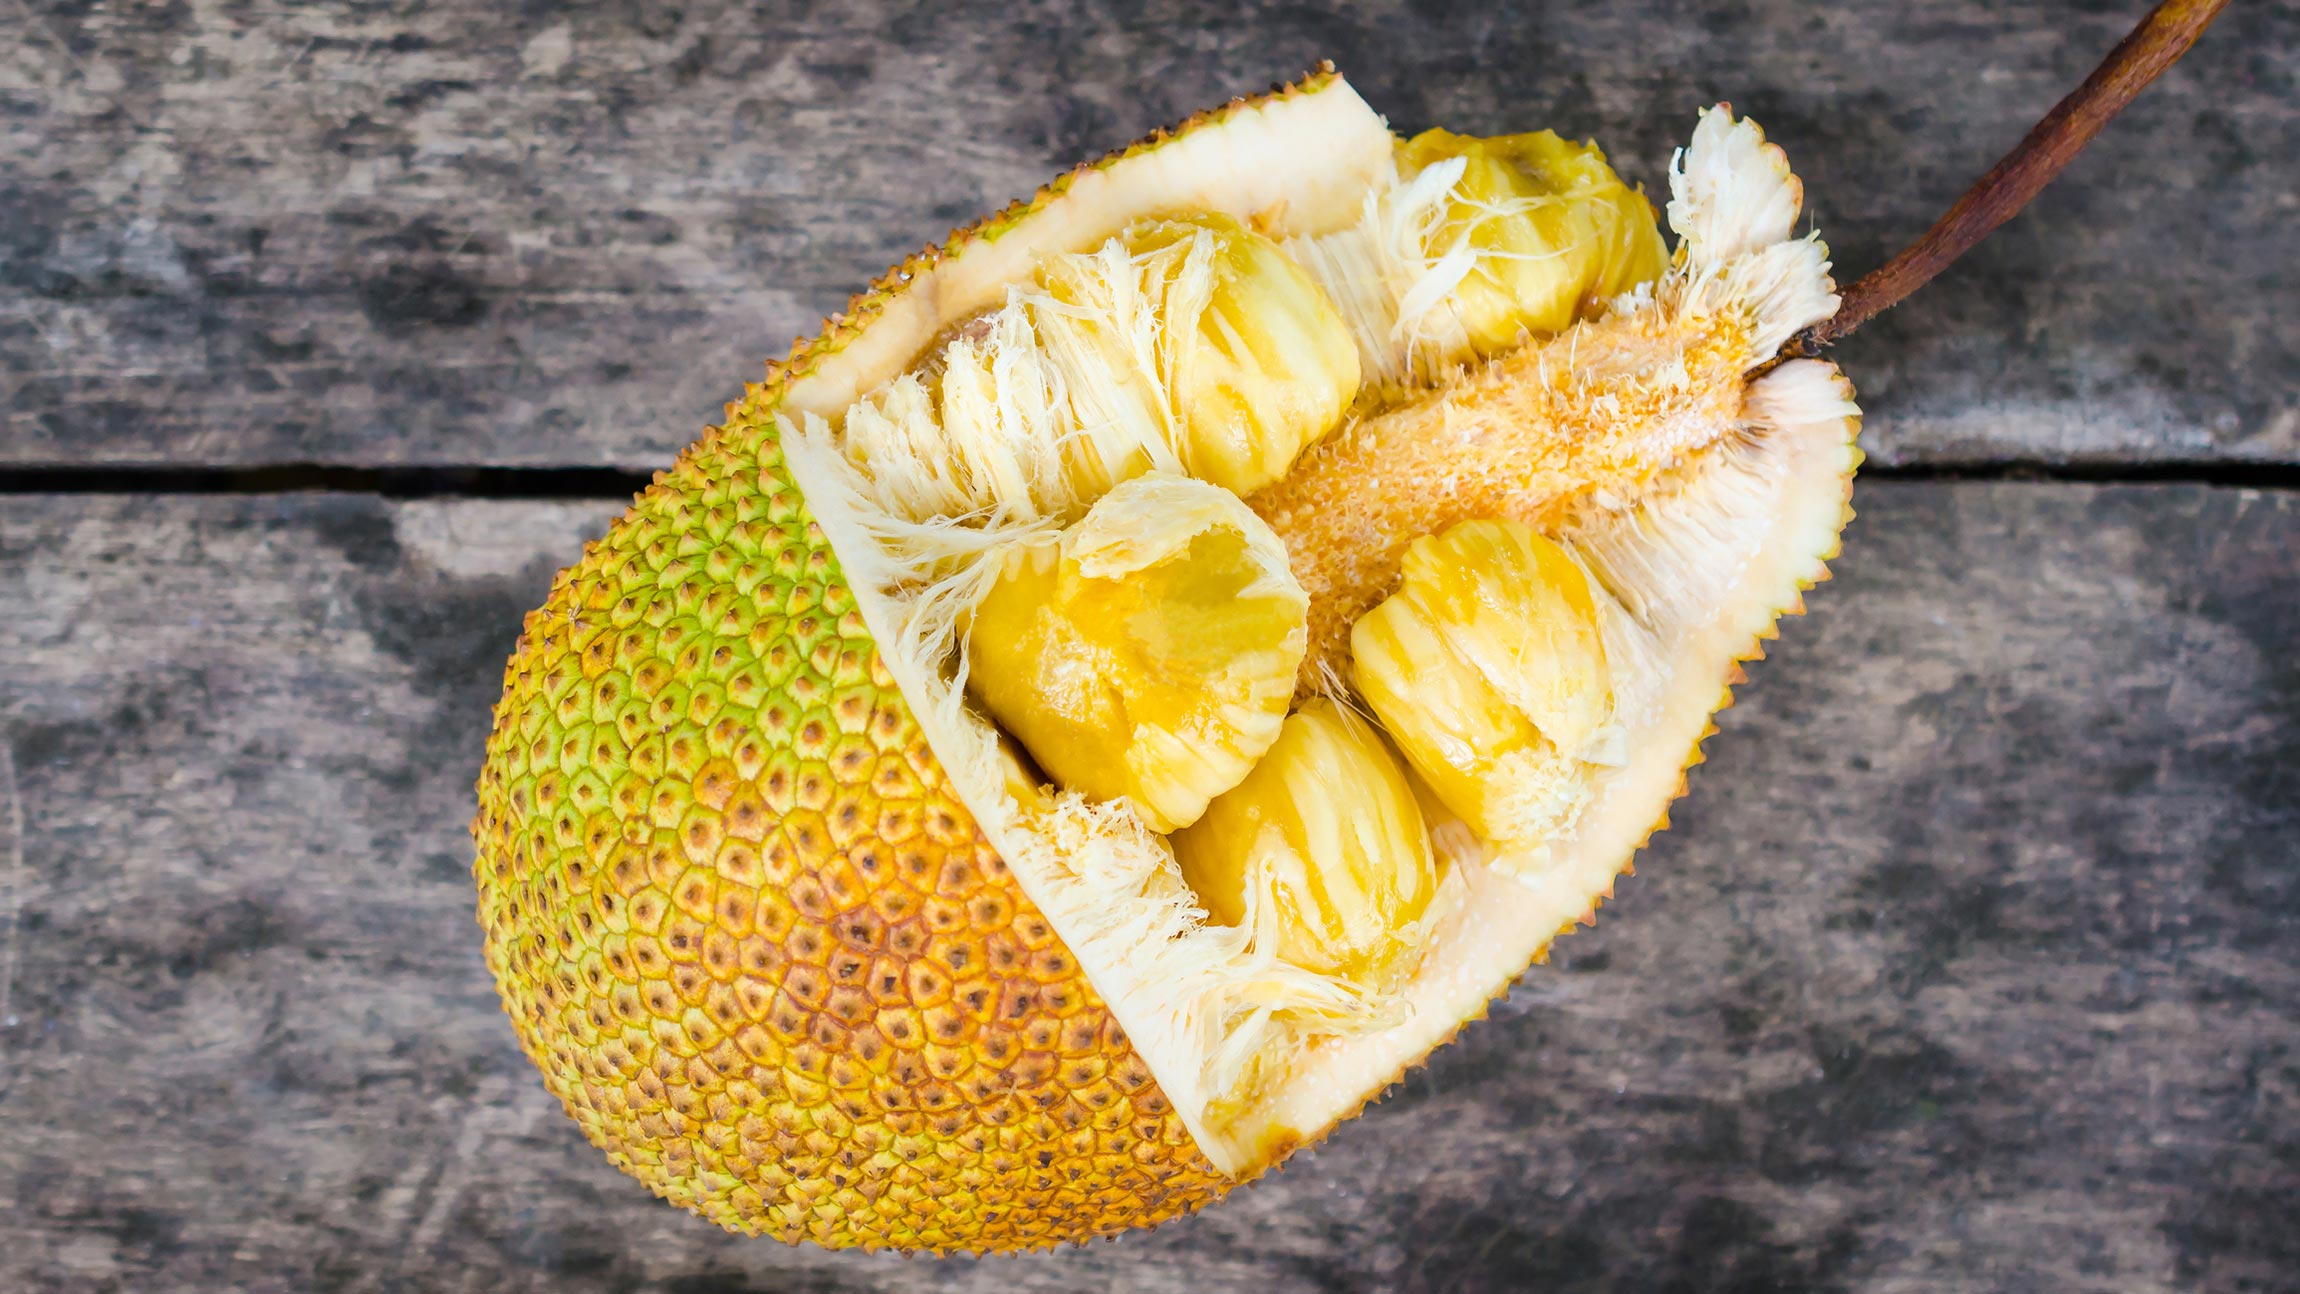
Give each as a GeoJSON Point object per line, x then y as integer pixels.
{"type": "Point", "coordinates": [806, 946]}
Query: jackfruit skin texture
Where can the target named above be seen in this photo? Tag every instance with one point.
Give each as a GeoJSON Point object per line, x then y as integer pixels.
{"type": "Point", "coordinates": [758, 949]}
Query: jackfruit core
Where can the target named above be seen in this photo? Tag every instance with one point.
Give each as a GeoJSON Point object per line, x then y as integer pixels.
{"type": "Point", "coordinates": [1149, 577]}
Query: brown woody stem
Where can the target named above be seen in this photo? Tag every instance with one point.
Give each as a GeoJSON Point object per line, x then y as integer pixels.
{"type": "Point", "coordinates": [2157, 43]}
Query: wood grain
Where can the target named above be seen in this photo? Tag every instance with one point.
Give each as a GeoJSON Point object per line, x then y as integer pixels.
{"type": "Point", "coordinates": [1972, 963]}
{"type": "Point", "coordinates": [460, 232]}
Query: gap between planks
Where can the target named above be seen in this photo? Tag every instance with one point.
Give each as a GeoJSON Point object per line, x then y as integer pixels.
{"type": "Point", "coordinates": [436, 481]}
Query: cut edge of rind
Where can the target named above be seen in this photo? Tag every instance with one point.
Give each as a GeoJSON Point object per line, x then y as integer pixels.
{"type": "Point", "coordinates": [845, 326]}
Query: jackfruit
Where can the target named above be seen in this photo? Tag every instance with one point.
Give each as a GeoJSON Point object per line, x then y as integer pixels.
{"type": "Point", "coordinates": [933, 818]}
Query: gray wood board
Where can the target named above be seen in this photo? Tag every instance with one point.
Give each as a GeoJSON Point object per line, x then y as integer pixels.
{"type": "Point", "coordinates": [464, 232]}
{"type": "Point", "coordinates": [1972, 962]}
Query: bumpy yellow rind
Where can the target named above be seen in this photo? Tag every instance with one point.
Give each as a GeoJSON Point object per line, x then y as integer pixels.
{"type": "Point", "coordinates": [757, 948]}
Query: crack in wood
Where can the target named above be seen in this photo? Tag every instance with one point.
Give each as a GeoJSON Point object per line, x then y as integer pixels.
{"type": "Point", "coordinates": [501, 482]}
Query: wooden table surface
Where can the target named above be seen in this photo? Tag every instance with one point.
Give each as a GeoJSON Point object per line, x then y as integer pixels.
{"type": "Point", "coordinates": [327, 332]}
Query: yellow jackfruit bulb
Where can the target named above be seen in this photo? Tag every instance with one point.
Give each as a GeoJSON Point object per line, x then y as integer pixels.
{"type": "Point", "coordinates": [1322, 848]}
{"type": "Point", "coordinates": [1488, 667]}
{"type": "Point", "coordinates": [1268, 368]}
{"type": "Point", "coordinates": [1205, 330]}
{"type": "Point", "coordinates": [1551, 233]}
{"type": "Point", "coordinates": [1148, 652]}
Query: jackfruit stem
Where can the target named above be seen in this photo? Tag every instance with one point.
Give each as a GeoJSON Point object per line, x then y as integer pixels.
{"type": "Point", "coordinates": [2155, 45]}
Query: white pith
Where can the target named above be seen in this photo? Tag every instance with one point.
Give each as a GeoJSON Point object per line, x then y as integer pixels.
{"type": "Point", "coordinates": [1697, 572]}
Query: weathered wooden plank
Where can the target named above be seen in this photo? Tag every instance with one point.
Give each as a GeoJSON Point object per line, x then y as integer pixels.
{"type": "Point", "coordinates": [1973, 961]}
{"type": "Point", "coordinates": [464, 232]}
